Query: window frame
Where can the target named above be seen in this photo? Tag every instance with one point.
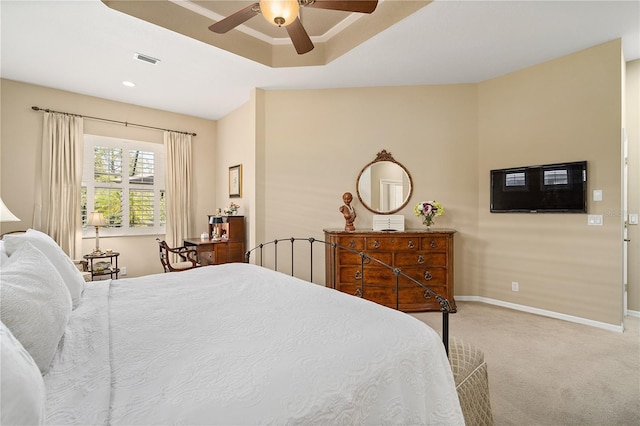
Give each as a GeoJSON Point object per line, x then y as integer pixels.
{"type": "Point", "coordinates": [158, 186]}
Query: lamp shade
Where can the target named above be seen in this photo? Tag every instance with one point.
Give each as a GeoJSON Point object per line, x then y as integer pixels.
{"type": "Point", "coordinates": [5, 214]}
{"type": "Point", "coordinates": [279, 12]}
{"type": "Point", "coordinates": [96, 219]}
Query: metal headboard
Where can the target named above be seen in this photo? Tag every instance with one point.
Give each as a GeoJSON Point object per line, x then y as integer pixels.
{"type": "Point", "coordinates": [365, 259]}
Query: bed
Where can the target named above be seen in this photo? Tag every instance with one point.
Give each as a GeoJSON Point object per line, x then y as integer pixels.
{"type": "Point", "coordinates": [228, 344]}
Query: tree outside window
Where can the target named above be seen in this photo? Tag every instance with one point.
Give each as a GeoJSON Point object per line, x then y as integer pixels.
{"type": "Point", "coordinates": [131, 205]}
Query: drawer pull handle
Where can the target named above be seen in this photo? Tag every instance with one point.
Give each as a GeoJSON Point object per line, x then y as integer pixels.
{"type": "Point", "coordinates": [366, 260]}
{"type": "Point", "coordinates": [358, 293]}
{"type": "Point", "coordinates": [376, 244]}
{"type": "Point", "coordinates": [433, 244]}
{"type": "Point", "coordinates": [357, 275]}
{"type": "Point", "coordinates": [427, 295]}
{"type": "Point", "coordinates": [352, 244]}
{"type": "Point", "coordinates": [420, 259]}
{"type": "Point", "coordinates": [428, 276]}
{"type": "Point", "coordinates": [411, 244]}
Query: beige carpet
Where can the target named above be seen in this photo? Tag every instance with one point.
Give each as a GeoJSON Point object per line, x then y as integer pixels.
{"type": "Point", "coordinates": [544, 371]}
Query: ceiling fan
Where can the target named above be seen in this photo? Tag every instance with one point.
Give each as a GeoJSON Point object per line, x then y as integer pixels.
{"type": "Point", "coordinates": [284, 13]}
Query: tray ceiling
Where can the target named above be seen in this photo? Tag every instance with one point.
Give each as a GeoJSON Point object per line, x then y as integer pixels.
{"type": "Point", "coordinates": [333, 33]}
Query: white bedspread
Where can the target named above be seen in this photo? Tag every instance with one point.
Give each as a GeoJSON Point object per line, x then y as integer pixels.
{"type": "Point", "coordinates": [238, 344]}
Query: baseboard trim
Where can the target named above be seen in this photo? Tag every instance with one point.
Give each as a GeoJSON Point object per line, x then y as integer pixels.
{"type": "Point", "coordinates": [633, 313]}
{"type": "Point", "coordinates": [544, 312]}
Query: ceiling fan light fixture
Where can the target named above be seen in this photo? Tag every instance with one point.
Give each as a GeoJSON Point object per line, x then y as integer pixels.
{"type": "Point", "coordinates": [279, 12]}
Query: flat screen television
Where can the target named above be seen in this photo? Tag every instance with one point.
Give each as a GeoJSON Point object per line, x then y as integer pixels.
{"type": "Point", "coordinates": [551, 188]}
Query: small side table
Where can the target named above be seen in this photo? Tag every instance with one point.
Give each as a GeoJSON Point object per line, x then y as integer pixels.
{"type": "Point", "coordinates": [98, 267]}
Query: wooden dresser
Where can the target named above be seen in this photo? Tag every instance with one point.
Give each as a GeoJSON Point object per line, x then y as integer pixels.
{"type": "Point", "coordinates": [426, 256]}
{"type": "Point", "coordinates": [228, 250]}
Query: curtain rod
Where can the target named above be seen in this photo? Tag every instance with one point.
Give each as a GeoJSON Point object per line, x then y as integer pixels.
{"type": "Point", "coordinates": [35, 108]}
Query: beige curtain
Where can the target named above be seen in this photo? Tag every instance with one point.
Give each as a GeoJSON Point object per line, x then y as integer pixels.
{"type": "Point", "coordinates": [178, 182]}
{"type": "Point", "coordinates": [57, 206]}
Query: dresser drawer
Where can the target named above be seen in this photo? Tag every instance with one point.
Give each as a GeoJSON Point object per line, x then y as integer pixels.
{"type": "Point", "coordinates": [413, 299]}
{"type": "Point", "coordinates": [421, 258]}
{"type": "Point", "coordinates": [435, 242]}
{"type": "Point", "coordinates": [354, 243]}
{"type": "Point", "coordinates": [393, 243]}
{"type": "Point", "coordinates": [382, 295]}
{"type": "Point", "coordinates": [206, 257]}
{"type": "Point", "coordinates": [352, 289]}
{"type": "Point", "coordinates": [350, 258]}
{"type": "Point", "coordinates": [433, 277]}
{"type": "Point", "coordinates": [378, 276]}
{"type": "Point", "coordinates": [409, 299]}
{"type": "Point", "coordinates": [418, 293]}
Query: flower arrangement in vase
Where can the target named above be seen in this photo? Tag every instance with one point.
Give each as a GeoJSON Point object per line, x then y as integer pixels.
{"type": "Point", "coordinates": [428, 210]}
{"type": "Point", "coordinates": [231, 209]}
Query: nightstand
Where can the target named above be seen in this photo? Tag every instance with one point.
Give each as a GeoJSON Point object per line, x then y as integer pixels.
{"type": "Point", "coordinates": [82, 266]}
{"type": "Point", "coordinates": [100, 264]}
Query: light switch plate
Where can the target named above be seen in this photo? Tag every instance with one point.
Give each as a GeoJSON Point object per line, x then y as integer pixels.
{"type": "Point", "coordinates": [597, 195]}
{"type": "Point", "coordinates": [633, 218]}
{"type": "Point", "coordinates": [594, 220]}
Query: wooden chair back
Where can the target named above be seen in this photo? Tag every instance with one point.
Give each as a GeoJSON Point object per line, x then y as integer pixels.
{"type": "Point", "coordinates": [188, 257]}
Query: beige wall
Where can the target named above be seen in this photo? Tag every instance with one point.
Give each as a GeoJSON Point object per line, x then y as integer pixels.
{"type": "Point", "coordinates": [302, 149]}
{"type": "Point", "coordinates": [237, 145]}
{"type": "Point", "coordinates": [317, 142]}
{"type": "Point", "coordinates": [21, 134]}
{"type": "Point", "coordinates": [449, 137]}
{"type": "Point", "coordinates": [568, 109]}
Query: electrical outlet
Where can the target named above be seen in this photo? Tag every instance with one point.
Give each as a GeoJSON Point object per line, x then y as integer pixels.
{"type": "Point", "coordinates": [123, 270]}
{"type": "Point", "coordinates": [515, 286]}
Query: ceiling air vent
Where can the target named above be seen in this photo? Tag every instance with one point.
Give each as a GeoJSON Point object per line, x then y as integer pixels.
{"type": "Point", "coordinates": [145, 58]}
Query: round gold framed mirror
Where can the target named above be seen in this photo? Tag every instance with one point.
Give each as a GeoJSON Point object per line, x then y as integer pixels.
{"type": "Point", "coordinates": [384, 186]}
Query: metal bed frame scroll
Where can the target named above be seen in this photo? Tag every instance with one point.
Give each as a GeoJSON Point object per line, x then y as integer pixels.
{"type": "Point", "coordinates": [365, 259]}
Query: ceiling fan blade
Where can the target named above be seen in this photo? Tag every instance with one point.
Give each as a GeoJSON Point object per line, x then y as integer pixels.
{"type": "Point", "coordinates": [362, 6]}
{"type": "Point", "coordinates": [232, 21]}
{"type": "Point", "coordinates": [299, 37]}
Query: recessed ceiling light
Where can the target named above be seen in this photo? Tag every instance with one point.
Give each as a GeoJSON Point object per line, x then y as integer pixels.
{"type": "Point", "coordinates": [129, 83]}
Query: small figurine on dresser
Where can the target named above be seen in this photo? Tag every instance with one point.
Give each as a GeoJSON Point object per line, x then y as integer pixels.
{"type": "Point", "coordinates": [348, 212]}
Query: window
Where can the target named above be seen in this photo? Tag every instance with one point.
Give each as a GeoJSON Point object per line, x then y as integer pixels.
{"type": "Point", "coordinates": [124, 180]}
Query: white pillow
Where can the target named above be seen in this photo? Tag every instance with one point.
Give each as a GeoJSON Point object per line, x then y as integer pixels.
{"type": "Point", "coordinates": [36, 305]}
{"type": "Point", "coordinates": [23, 394]}
{"type": "Point", "coordinates": [70, 274]}
{"type": "Point", "coordinates": [3, 253]}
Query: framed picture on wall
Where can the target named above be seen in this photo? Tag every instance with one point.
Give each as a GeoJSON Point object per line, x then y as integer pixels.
{"type": "Point", "coordinates": [235, 181]}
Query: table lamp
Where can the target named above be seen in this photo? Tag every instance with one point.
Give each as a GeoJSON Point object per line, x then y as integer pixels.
{"type": "Point", "coordinates": [5, 214]}
{"type": "Point", "coordinates": [97, 219]}
{"type": "Point", "coordinates": [215, 221]}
